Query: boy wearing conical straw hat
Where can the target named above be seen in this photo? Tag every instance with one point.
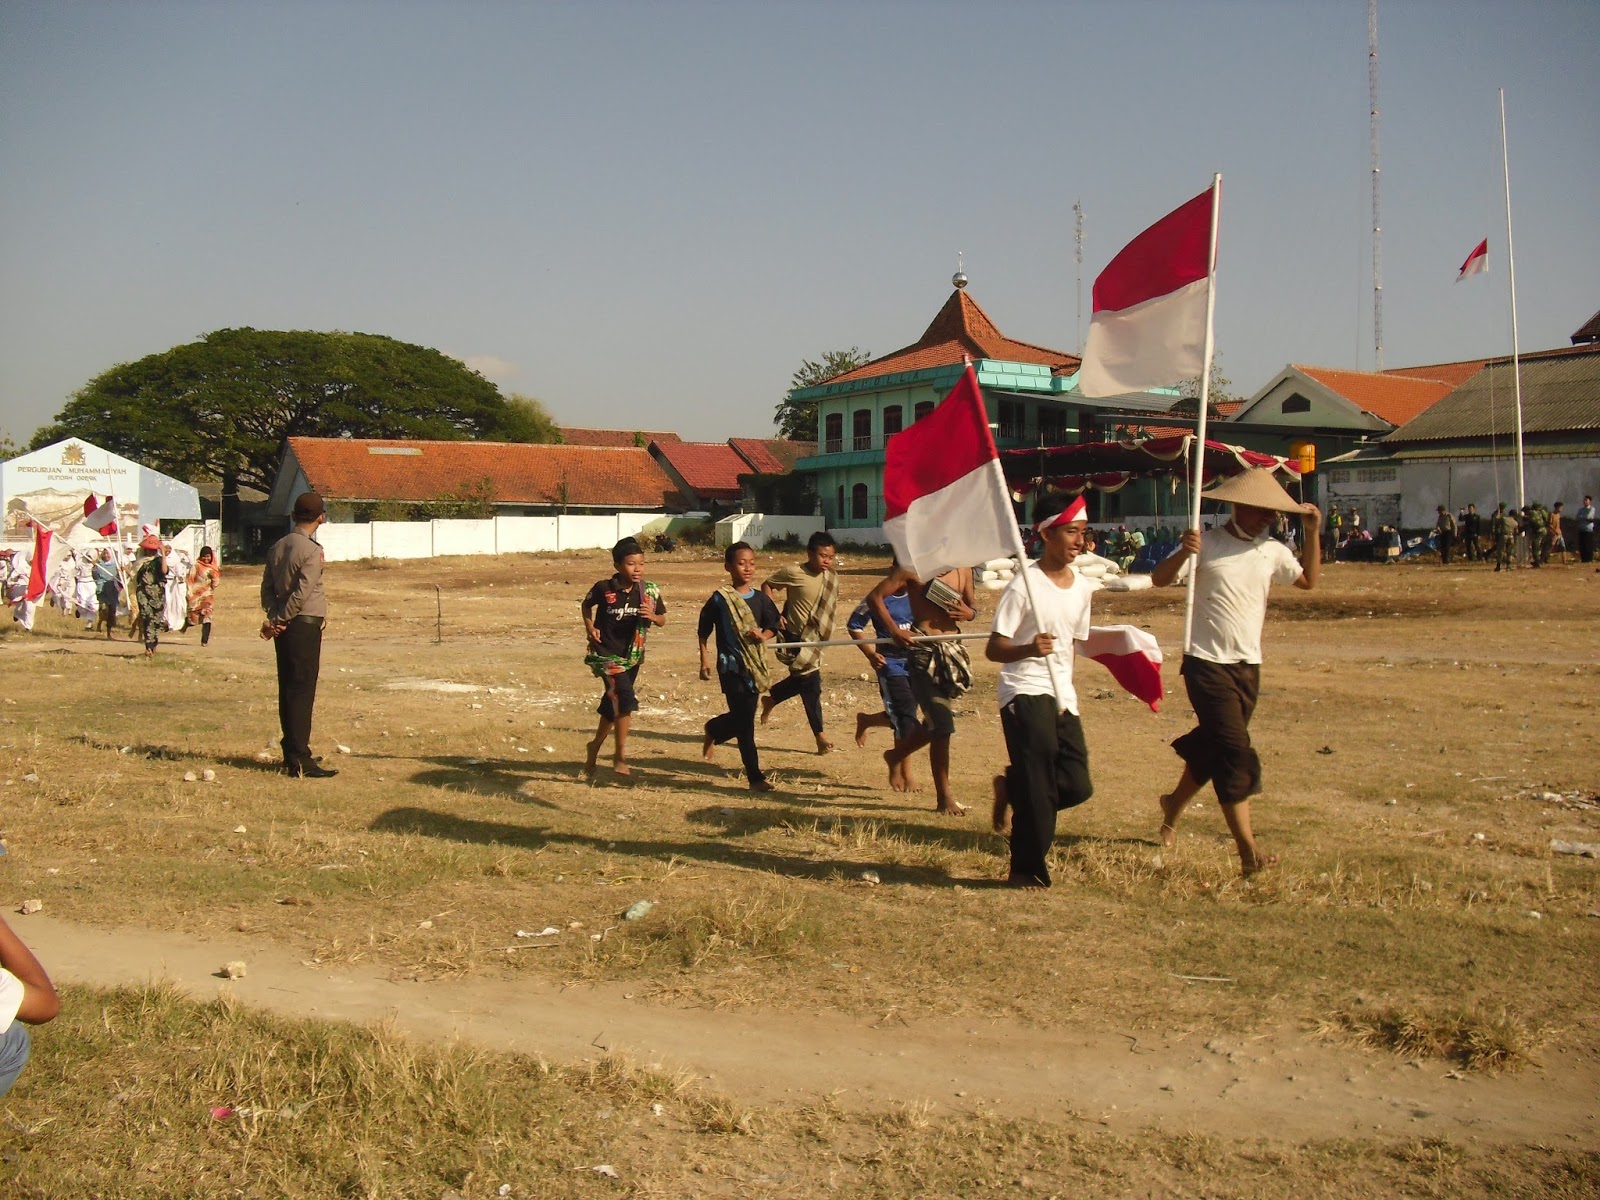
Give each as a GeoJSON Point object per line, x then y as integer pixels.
{"type": "Point", "coordinates": [1236, 565]}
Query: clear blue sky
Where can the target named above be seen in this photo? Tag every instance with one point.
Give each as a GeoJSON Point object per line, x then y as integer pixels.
{"type": "Point", "coordinates": [648, 214]}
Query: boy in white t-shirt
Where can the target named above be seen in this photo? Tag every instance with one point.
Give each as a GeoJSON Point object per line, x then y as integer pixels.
{"type": "Point", "coordinates": [1049, 768]}
{"type": "Point", "coordinates": [26, 998]}
{"type": "Point", "coordinates": [1237, 566]}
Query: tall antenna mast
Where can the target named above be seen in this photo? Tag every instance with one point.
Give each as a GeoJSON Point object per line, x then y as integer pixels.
{"type": "Point", "coordinates": [1077, 241]}
{"type": "Point", "coordinates": [1377, 225]}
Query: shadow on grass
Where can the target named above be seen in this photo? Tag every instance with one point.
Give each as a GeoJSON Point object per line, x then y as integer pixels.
{"type": "Point", "coordinates": [427, 823]}
{"type": "Point", "coordinates": [510, 777]}
{"type": "Point", "coordinates": [953, 834]}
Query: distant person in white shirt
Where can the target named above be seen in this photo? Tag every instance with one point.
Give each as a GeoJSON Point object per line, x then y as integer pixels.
{"type": "Point", "coordinates": [26, 998]}
{"type": "Point", "coordinates": [1049, 768]}
{"type": "Point", "coordinates": [1238, 564]}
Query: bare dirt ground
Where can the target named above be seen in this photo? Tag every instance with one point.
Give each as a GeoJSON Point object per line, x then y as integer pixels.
{"type": "Point", "coordinates": [1426, 733]}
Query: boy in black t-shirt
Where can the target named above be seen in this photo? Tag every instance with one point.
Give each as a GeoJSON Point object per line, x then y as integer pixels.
{"type": "Point", "coordinates": [741, 619]}
{"type": "Point", "coordinates": [616, 613]}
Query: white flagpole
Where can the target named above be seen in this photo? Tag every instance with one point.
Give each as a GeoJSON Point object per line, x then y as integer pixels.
{"type": "Point", "coordinates": [1021, 553]}
{"type": "Point", "coordinates": [1511, 274]}
{"type": "Point", "coordinates": [1205, 400]}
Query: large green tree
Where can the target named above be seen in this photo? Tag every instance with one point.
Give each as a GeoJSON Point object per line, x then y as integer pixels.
{"type": "Point", "coordinates": [797, 419]}
{"type": "Point", "coordinates": [222, 406]}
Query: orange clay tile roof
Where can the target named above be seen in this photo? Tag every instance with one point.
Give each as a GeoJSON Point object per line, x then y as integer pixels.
{"type": "Point", "coordinates": [961, 329]}
{"type": "Point", "coordinates": [1453, 373]}
{"type": "Point", "coordinates": [711, 470]}
{"type": "Point", "coordinates": [1224, 409]}
{"type": "Point", "coordinates": [771, 456]}
{"type": "Point", "coordinates": [521, 473]}
{"type": "Point", "coordinates": [1395, 399]}
{"type": "Point", "coordinates": [574, 436]}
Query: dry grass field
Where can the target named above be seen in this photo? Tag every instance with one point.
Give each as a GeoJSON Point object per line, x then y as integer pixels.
{"type": "Point", "coordinates": [1426, 733]}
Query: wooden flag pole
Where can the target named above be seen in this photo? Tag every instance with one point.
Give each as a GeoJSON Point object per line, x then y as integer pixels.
{"type": "Point", "coordinates": [1205, 400]}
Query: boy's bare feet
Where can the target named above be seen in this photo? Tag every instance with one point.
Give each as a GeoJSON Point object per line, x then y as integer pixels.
{"type": "Point", "coordinates": [1000, 817]}
{"type": "Point", "coordinates": [949, 808]}
{"type": "Point", "coordinates": [767, 705]}
{"type": "Point", "coordinates": [862, 727]}
{"type": "Point", "coordinates": [763, 786]}
{"type": "Point", "coordinates": [593, 749]}
{"type": "Point", "coordinates": [824, 746]}
{"type": "Point", "coordinates": [1169, 821]}
{"type": "Point", "coordinates": [620, 767]}
{"type": "Point", "coordinates": [1256, 863]}
{"type": "Point", "coordinates": [708, 748]}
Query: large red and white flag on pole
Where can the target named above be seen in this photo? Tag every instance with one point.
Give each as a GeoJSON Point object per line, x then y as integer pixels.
{"type": "Point", "coordinates": [1477, 262]}
{"type": "Point", "coordinates": [48, 553]}
{"type": "Point", "coordinates": [100, 515]}
{"type": "Point", "coordinates": [946, 503]}
{"type": "Point", "coordinates": [1149, 324]}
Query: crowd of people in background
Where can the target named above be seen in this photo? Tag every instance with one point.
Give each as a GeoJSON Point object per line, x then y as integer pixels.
{"type": "Point", "coordinates": [1509, 537]}
{"type": "Point", "coordinates": [156, 589]}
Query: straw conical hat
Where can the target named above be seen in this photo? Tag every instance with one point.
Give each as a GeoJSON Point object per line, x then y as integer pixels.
{"type": "Point", "coordinates": [1258, 488]}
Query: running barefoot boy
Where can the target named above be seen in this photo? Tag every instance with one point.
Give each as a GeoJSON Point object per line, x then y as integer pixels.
{"type": "Point", "coordinates": [894, 681]}
{"type": "Point", "coordinates": [741, 620]}
{"type": "Point", "coordinates": [1036, 622]}
{"type": "Point", "coordinates": [1237, 565]}
{"type": "Point", "coordinates": [810, 600]}
{"type": "Point", "coordinates": [616, 614]}
{"type": "Point", "coordinates": [939, 671]}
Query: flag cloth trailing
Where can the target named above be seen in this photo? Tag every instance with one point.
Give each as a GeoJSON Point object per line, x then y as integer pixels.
{"type": "Point", "coordinates": [1131, 655]}
{"type": "Point", "coordinates": [48, 554]}
{"type": "Point", "coordinates": [945, 498]}
{"type": "Point", "coordinates": [100, 515]}
{"type": "Point", "coordinates": [1477, 262]}
{"type": "Point", "coordinates": [1149, 323]}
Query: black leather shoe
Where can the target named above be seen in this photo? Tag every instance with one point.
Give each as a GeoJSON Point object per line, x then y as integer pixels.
{"type": "Point", "coordinates": [309, 770]}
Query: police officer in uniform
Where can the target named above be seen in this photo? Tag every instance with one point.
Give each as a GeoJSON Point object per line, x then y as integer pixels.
{"type": "Point", "coordinates": [291, 593]}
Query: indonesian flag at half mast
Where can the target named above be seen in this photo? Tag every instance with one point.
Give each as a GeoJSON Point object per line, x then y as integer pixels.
{"type": "Point", "coordinates": [1477, 262]}
{"type": "Point", "coordinates": [1149, 324]}
{"type": "Point", "coordinates": [946, 503]}
{"type": "Point", "coordinates": [1131, 655]}
{"type": "Point", "coordinates": [100, 516]}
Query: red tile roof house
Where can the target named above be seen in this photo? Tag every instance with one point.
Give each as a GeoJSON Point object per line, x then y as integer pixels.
{"type": "Point", "coordinates": [739, 475]}
{"type": "Point", "coordinates": [395, 479]}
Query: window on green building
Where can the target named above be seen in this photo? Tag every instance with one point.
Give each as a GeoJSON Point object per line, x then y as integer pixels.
{"type": "Point", "coordinates": [892, 421]}
{"type": "Point", "coordinates": [922, 410]}
{"type": "Point", "coordinates": [858, 502]}
{"type": "Point", "coordinates": [833, 433]}
{"type": "Point", "coordinates": [861, 429]}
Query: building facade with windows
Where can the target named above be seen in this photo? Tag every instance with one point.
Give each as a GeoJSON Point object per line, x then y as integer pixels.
{"type": "Point", "coordinates": [1028, 391]}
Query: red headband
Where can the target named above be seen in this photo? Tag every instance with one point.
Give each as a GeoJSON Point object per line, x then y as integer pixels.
{"type": "Point", "coordinates": [1078, 510]}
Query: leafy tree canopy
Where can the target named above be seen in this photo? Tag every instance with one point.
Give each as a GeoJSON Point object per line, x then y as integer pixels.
{"type": "Point", "coordinates": [797, 419]}
{"type": "Point", "coordinates": [1189, 390]}
{"type": "Point", "coordinates": [222, 406]}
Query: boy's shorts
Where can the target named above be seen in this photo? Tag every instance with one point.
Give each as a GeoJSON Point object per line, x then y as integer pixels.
{"type": "Point", "coordinates": [899, 703]}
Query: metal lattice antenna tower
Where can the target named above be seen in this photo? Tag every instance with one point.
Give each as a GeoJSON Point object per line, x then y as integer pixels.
{"type": "Point", "coordinates": [1077, 241]}
{"type": "Point", "coordinates": [1377, 174]}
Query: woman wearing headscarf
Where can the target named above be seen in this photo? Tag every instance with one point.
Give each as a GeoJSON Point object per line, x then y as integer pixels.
{"type": "Point", "coordinates": [150, 592]}
{"type": "Point", "coordinates": [107, 591]}
{"type": "Point", "coordinates": [203, 582]}
{"type": "Point", "coordinates": [176, 615]}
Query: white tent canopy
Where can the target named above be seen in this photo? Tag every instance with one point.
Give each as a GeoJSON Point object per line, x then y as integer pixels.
{"type": "Point", "coordinates": [51, 484]}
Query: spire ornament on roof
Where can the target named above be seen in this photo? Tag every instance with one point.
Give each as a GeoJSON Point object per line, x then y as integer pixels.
{"type": "Point", "coordinates": [959, 279]}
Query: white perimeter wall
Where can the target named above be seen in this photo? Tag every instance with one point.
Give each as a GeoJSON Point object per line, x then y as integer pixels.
{"type": "Point", "coordinates": [1426, 485]}
{"type": "Point", "coordinates": [492, 535]}
{"type": "Point", "coordinates": [758, 529]}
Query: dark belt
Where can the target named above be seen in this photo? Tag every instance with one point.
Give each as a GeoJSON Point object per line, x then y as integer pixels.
{"type": "Point", "coordinates": [317, 621]}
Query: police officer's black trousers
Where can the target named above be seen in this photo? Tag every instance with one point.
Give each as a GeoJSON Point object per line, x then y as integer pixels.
{"type": "Point", "coordinates": [299, 652]}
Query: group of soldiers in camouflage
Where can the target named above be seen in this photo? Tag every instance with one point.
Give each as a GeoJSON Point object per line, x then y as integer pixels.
{"type": "Point", "coordinates": [1540, 527]}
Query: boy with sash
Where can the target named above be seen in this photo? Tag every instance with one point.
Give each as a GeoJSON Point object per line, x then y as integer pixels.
{"type": "Point", "coordinates": [617, 612]}
{"type": "Point", "coordinates": [810, 598]}
{"type": "Point", "coordinates": [742, 620]}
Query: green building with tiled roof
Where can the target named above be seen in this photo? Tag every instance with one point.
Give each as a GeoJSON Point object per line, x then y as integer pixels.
{"type": "Point", "coordinates": [1028, 390]}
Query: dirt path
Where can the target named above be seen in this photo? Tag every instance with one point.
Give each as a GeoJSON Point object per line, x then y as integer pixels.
{"type": "Point", "coordinates": [1280, 1085]}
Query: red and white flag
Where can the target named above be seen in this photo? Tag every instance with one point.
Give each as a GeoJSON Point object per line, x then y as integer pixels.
{"type": "Point", "coordinates": [1477, 262]}
{"type": "Point", "coordinates": [1149, 324]}
{"type": "Point", "coordinates": [945, 498]}
{"type": "Point", "coordinates": [48, 554]}
{"type": "Point", "coordinates": [1131, 655]}
{"type": "Point", "coordinates": [100, 515]}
